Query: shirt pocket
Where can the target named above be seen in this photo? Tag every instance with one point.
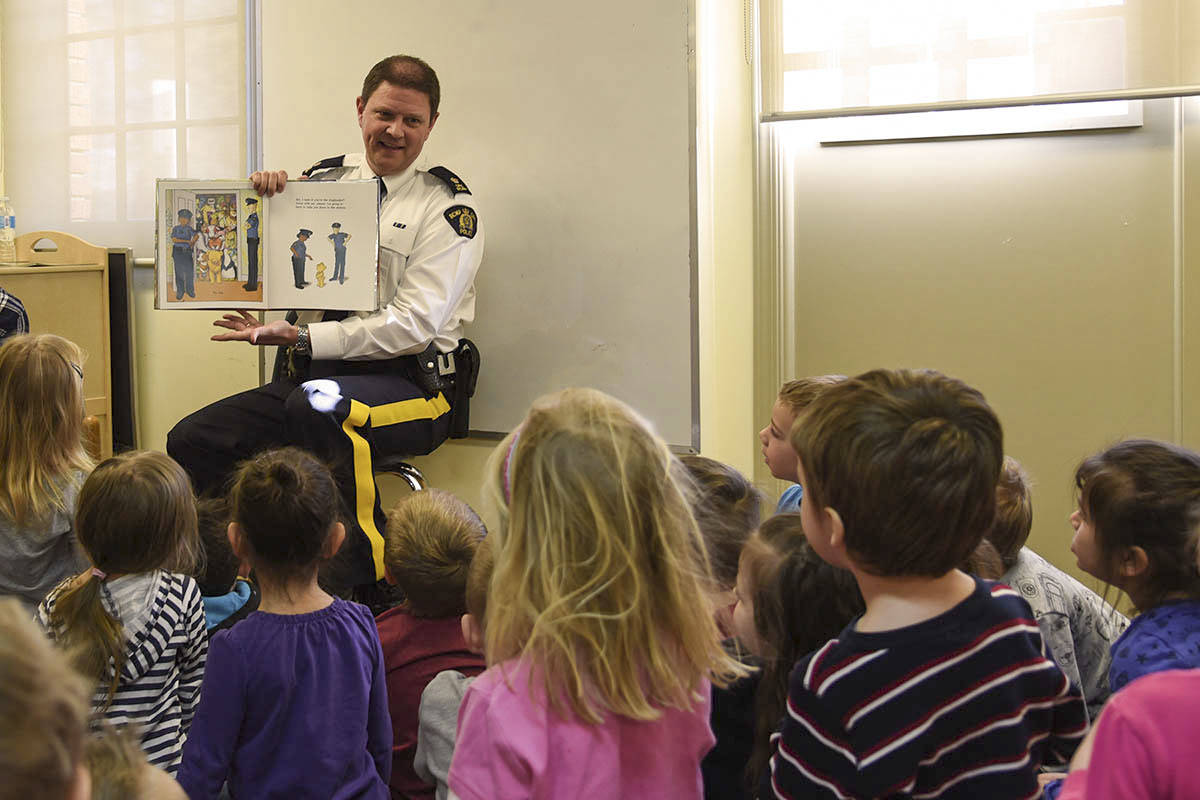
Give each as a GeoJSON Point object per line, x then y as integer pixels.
{"type": "Point", "coordinates": [397, 240]}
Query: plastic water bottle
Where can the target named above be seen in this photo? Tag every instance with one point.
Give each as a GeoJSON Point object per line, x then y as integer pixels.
{"type": "Point", "coordinates": [8, 232]}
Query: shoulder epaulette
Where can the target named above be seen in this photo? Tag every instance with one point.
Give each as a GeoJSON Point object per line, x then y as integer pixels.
{"type": "Point", "coordinates": [325, 163]}
{"type": "Point", "coordinates": [450, 179]}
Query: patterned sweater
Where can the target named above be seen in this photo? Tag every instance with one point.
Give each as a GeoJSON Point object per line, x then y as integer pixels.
{"type": "Point", "coordinates": [166, 646]}
{"type": "Point", "coordinates": [966, 704]}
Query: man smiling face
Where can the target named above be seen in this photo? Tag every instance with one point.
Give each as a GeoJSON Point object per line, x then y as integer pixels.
{"type": "Point", "coordinates": [395, 123]}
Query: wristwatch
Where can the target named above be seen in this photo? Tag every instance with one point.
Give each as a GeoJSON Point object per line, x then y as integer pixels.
{"type": "Point", "coordinates": [303, 344]}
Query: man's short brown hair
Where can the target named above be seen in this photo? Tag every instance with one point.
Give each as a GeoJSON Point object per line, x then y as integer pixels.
{"type": "Point", "coordinates": [1014, 512]}
{"type": "Point", "coordinates": [910, 461]}
{"type": "Point", "coordinates": [406, 72]}
{"type": "Point", "coordinates": [430, 541]}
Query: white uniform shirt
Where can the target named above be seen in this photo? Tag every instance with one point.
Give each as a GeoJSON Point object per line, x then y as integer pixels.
{"type": "Point", "coordinates": [426, 271]}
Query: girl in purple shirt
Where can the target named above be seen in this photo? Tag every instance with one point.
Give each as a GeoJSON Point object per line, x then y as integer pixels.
{"type": "Point", "coordinates": [294, 701]}
{"type": "Point", "coordinates": [600, 640]}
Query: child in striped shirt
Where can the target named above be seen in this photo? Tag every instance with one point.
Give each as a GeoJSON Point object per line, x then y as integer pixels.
{"type": "Point", "coordinates": [942, 688]}
{"type": "Point", "coordinates": [134, 622]}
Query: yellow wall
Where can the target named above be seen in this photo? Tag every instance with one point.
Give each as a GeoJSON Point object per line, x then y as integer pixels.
{"type": "Point", "coordinates": [1044, 270]}
{"type": "Point", "coordinates": [178, 369]}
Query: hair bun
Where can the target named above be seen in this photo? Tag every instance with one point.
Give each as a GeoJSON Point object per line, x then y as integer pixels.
{"type": "Point", "coordinates": [285, 476]}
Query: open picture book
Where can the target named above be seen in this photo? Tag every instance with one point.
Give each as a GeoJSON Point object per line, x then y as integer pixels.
{"type": "Point", "coordinates": [314, 245]}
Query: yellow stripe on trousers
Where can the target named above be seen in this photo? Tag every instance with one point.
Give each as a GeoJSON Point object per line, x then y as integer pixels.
{"type": "Point", "coordinates": [364, 476]}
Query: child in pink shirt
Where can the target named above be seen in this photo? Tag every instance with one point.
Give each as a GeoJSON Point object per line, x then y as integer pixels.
{"type": "Point", "coordinates": [598, 633]}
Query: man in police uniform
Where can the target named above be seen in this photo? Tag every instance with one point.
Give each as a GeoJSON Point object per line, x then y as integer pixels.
{"type": "Point", "coordinates": [359, 389]}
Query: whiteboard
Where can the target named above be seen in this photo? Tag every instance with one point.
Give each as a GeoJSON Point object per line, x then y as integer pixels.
{"type": "Point", "coordinates": [573, 126]}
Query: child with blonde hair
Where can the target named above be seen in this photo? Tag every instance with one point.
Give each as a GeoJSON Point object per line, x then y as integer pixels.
{"type": "Point", "coordinates": [430, 540]}
{"type": "Point", "coordinates": [42, 464]}
{"type": "Point", "coordinates": [44, 711]}
{"type": "Point", "coordinates": [120, 771]}
{"type": "Point", "coordinates": [134, 622]}
{"type": "Point", "coordinates": [794, 397]}
{"type": "Point", "coordinates": [597, 633]}
{"type": "Point", "coordinates": [295, 699]}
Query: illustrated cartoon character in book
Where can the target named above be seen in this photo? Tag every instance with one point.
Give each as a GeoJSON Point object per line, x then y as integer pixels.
{"type": "Point", "coordinates": [339, 240]}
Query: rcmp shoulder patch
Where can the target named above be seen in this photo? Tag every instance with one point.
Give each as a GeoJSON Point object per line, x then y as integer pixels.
{"type": "Point", "coordinates": [463, 219]}
{"type": "Point", "coordinates": [450, 179]}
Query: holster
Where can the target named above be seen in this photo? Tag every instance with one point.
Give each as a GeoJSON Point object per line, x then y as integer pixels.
{"type": "Point", "coordinates": [454, 374]}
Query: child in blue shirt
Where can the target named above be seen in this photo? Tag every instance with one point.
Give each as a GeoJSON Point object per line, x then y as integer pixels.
{"type": "Point", "coordinates": [794, 397]}
{"type": "Point", "coordinates": [227, 596]}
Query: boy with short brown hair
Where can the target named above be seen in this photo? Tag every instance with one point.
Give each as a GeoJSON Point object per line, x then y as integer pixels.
{"type": "Point", "coordinates": [940, 689]}
{"type": "Point", "coordinates": [1077, 625]}
{"type": "Point", "coordinates": [430, 541]}
{"type": "Point", "coordinates": [443, 696]}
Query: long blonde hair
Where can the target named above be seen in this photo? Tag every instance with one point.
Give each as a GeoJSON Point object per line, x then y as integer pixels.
{"type": "Point", "coordinates": [600, 570]}
{"type": "Point", "coordinates": [41, 425]}
{"type": "Point", "coordinates": [136, 514]}
{"type": "Point", "coordinates": [44, 706]}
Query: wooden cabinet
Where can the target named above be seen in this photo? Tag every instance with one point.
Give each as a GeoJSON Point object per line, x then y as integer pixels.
{"type": "Point", "coordinates": [63, 283]}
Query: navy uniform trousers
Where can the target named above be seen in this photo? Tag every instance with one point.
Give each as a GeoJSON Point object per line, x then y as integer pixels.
{"type": "Point", "coordinates": [347, 419]}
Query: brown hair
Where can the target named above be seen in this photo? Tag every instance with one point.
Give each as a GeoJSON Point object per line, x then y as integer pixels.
{"type": "Point", "coordinates": [727, 507]}
{"type": "Point", "coordinates": [41, 425]}
{"type": "Point", "coordinates": [220, 563]}
{"type": "Point", "coordinates": [44, 708]}
{"type": "Point", "coordinates": [799, 394]}
{"type": "Point", "coordinates": [286, 503]}
{"type": "Point", "coordinates": [1014, 512]}
{"type": "Point", "coordinates": [478, 578]}
{"type": "Point", "coordinates": [136, 514]}
{"type": "Point", "coordinates": [910, 461]}
{"type": "Point", "coordinates": [430, 539]}
{"type": "Point", "coordinates": [1144, 493]}
{"type": "Point", "coordinates": [800, 602]}
{"type": "Point", "coordinates": [405, 72]}
{"type": "Point", "coordinates": [984, 562]}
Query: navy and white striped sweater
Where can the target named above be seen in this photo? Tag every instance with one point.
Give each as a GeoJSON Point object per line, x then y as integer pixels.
{"type": "Point", "coordinates": [166, 647]}
{"type": "Point", "coordinates": [966, 704]}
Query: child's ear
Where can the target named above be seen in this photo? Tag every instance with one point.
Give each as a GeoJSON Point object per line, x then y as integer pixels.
{"type": "Point", "coordinates": [337, 535]}
{"type": "Point", "coordinates": [387, 576]}
{"type": "Point", "coordinates": [836, 532]}
{"type": "Point", "coordinates": [472, 633]}
{"type": "Point", "coordinates": [236, 540]}
{"type": "Point", "coordinates": [1134, 563]}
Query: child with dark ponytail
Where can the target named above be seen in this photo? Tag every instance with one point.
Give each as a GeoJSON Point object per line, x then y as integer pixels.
{"type": "Point", "coordinates": [134, 621]}
{"type": "Point", "coordinates": [295, 700]}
